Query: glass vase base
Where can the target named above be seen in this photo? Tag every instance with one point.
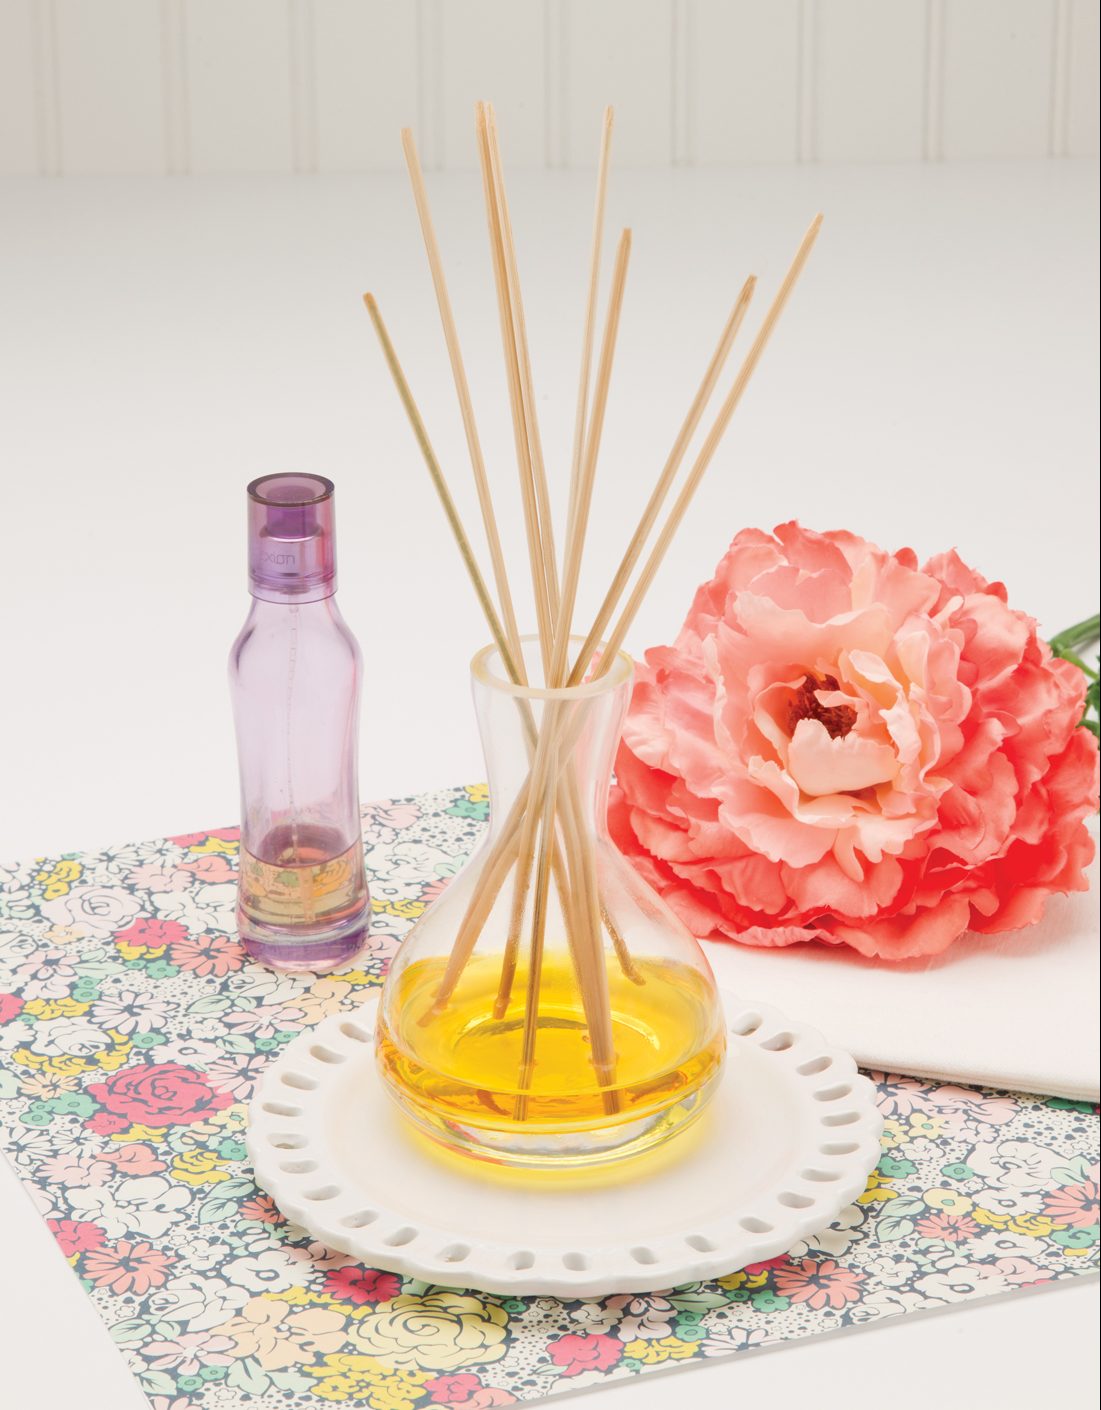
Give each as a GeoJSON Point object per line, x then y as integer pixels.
{"type": "Point", "coordinates": [316, 952]}
{"type": "Point", "coordinates": [545, 1149]}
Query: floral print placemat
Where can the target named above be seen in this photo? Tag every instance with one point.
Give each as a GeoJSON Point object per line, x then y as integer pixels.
{"type": "Point", "coordinates": [132, 1032]}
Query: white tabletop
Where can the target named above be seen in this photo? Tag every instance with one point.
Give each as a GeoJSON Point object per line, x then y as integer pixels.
{"type": "Point", "coordinates": [933, 383]}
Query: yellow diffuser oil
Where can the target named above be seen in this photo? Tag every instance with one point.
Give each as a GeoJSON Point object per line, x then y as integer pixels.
{"type": "Point", "coordinates": [458, 1070]}
{"type": "Point", "coordinates": [549, 1010]}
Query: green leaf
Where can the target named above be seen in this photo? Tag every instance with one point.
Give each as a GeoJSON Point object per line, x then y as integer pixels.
{"type": "Point", "coordinates": [246, 1375]}
{"type": "Point", "coordinates": [235, 1043]}
{"type": "Point", "coordinates": [210, 1004]}
{"type": "Point", "coordinates": [132, 1329]}
{"type": "Point", "coordinates": [697, 1301]}
{"type": "Point", "coordinates": [1074, 1173]}
{"type": "Point", "coordinates": [904, 1207]}
{"type": "Point", "coordinates": [891, 1227]}
{"type": "Point", "coordinates": [215, 1209]}
{"type": "Point", "coordinates": [239, 1185]}
{"type": "Point", "coordinates": [156, 1382]}
{"type": "Point", "coordinates": [291, 1380]}
{"type": "Point", "coordinates": [9, 1085]}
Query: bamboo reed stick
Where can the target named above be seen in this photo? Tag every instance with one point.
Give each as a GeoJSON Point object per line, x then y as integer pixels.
{"type": "Point", "coordinates": [540, 590]}
{"type": "Point", "coordinates": [462, 389]}
{"type": "Point", "coordinates": [582, 412]}
{"type": "Point", "coordinates": [711, 444]}
{"type": "Point", "coordinates": [665, 480]}
{"type": "Point", "coordinates": [458, 532]}
{"type": "Point", "coordinates": [527, 389]}
{"type": "Point", "coordinates": [575, 545]}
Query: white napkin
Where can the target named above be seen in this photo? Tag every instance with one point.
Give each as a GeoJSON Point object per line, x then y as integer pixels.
{"type": "Point", "coordinates": [1018, 1011]}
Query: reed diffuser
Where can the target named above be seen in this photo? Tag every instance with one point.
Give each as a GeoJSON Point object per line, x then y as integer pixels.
{"type": "Point", "coordinates": [549, 1010]}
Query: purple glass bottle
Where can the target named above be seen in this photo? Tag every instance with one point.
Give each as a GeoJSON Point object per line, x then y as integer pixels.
{"type": "Point", "coordinates": [295, 679]}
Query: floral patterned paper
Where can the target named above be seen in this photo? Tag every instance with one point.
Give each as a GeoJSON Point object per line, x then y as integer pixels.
{"type": "Point", "coordinates": [132, 1032]}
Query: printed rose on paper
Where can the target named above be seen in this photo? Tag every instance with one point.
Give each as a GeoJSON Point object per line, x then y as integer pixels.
{"type": "Point", "coordinates": [159, 1094]}
{"type": "Point", "coordinates": [844, 747]}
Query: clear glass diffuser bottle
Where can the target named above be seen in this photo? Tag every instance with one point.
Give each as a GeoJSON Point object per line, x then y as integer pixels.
{"type": "Point", "coordinates": [295, 678]}
{"type": "Point", "coordinates": [549, 1010]}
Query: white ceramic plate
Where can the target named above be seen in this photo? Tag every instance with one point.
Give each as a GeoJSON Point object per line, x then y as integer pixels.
{"type": "Point", "coordinates": [787, 1142]}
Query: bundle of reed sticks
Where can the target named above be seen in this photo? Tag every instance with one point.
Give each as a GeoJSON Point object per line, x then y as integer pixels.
{"type": "Point", "coordinates": [543, 841]}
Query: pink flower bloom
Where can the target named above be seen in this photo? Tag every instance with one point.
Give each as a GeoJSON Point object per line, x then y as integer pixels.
{"type": "Point", "coordinates": [452, 1390]}
{"type": "Point", "coordinates": [948, 1228]}
{"type": "Point", "coordinates": [159, 1094]}
{"type": "Point", "coordinates": [134, 1159]}
{"type": "Point", "coordinates": [207, 955]}
{"type": "Point", "coordinates": [150, 934]}
{"type": "Point", "coordinates": [187, 840]}
{"type": "Point", "coordinates": [754, 1268]}
{"type": "Point", "coordinates": [843, 747]}
{"type": "Point", "coordinates": [1073, 1204]}
{"type": "Point", "coordinates": [128, 1267]}
{"type": "Point", "coordinates": [361, 1285]}
{"type": "Point", "coordinates": [76, 1235]}
{"type": "Point", "coordinates": [584, 1351]}
{"type": "Point", "coordinates": [237, 1074]}
{"type": "Point", "coordinates": [262, 1210]}
{"type": "Point", "coordinates": [76, 1172]}
{"type": "Point", "coordinates": [11, 1006]}
{"type": "Point", "coordinates": [819, 1285]}
{"type": "Point", "coordinates": [486, 1398]}
{"type": "Point", "coordinates": [158, 876]}
{"type": "Point", "coordinates": [106, 1123]}
{"type": "Point", "coordinates": [188, 1353]}
{"type": "Point", "coordinates": [212, 867]}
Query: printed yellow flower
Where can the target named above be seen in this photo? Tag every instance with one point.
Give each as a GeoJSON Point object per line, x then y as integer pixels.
{"type": "Point", "coordinates": [198, 1168]}
{"type": "Point", "coordinates": [951, 1201]}
{"type": "Point", "coordinates": [64, 1066]}
{"type": "Point", "coordinates": [368, 1382]}
{"type": "Point", "coordinates": [45, 1009]}
{"type": "Point", "coordinates": [404, 910]}
{"type": "Point", "coordinates": [877, 1190]}
{"type": "Point", "coordinates": [231, 1117]}
{"type": "Point", "coordinates": [139, 952]}
{"type": "Point", "coordinates": [214, 844]}
{"type": "Point", "coordinates": [279, 1336]}
{"type": "Point", "coordinates": [894, 1133]}
{"type": "Point", "coordinates": [652, 1353]}
{"type": "Point", "coordinates": [111, 1059]}
{"type": "Point", "coordinates": [440, 1332]}
{"type": "Point", "coordinates": [1034, 1226]}
{"type": "Point", "coordinates": [743, 1280]}
{"type": "Point", "coordinates": [924, 1127]}
{"type": "Point", "coordinates": [478, 792]}
{"type": "Point", "coordinates": [59, 878]}
{"type": "Point", "coordinates": [137, 1132]}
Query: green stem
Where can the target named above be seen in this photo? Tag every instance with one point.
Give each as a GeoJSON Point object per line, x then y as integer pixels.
{"type": "Point", "coordinates": [1081, 634]}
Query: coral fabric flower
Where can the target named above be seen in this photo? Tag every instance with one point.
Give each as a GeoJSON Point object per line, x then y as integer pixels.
{"type": "Point", "coordinates": [128, 1267]}
{"type": "Point", "coordinates": [819, 1285]}
{"type": "Point", "coordinates": [76, 1235]}
{"type": "Point", "coordinates": [1076, 1205]}
{"type": "Point", "coordinates": [584, 1351]}
{"type": "Point", "coordinates": [361, 1285]}
{"type": "Point", "coordinates": [842, 746]}
{"type": "Point", "coordinates": [207, 955]}
{"type": "Point", "coordinates": [11, 1006]}
{"type": "Point", "coordinates": [160, 1094]}
{"type": "Point", "coordinates": [148, 934]}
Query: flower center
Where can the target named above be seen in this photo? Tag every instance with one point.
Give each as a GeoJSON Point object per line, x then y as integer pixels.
{"type": "Point", "coordinates": [805, 705]}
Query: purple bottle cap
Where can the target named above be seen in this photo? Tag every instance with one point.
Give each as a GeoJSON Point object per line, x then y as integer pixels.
{"type": "Point", "coordinates": [291, 544]}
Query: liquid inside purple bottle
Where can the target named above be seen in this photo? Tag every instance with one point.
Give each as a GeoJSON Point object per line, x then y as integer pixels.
{"type": "Point", "coordinates": [295, 672]}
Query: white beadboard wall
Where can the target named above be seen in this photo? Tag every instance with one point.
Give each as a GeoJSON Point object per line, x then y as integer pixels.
{"type": "Point", "coordinates": [193, 86]}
